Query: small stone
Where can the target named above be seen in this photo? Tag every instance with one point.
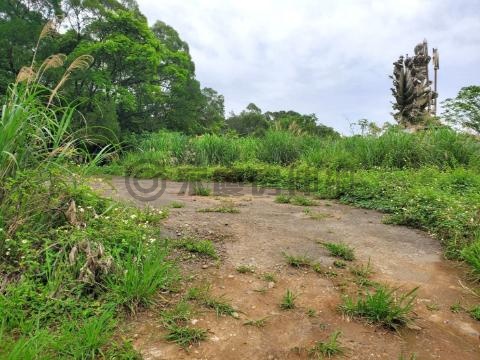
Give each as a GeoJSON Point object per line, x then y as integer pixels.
{"type": "Point", "coordinates": [235, 315]}
{"type": "Point", "coordinates": [271, 285]}
{"type": "Point", "coordinates": [215, 338]}
{"type": "Point", "coordinates": [194, 321]}
{"type": "Point", "coordinates": [231, 276]}
{"type": "Point", "coordinates": [205, 266]}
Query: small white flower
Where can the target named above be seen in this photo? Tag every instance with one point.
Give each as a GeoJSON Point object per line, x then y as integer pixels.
{"type": "Point", "coordinates": [81, 209]}
{"type": "Point", "coordinates": [24, 241]}
{"type": "Point", "coordinates": [7, 253]}
{"type": "Point", "coordinates": [152, 240]}
{"type": "Point", "coordinates": [133, 216]}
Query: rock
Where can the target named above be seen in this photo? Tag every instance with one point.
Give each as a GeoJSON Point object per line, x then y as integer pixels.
{"type": "Point", "coordinates": [271, 285]}
{"type": "Point", "coordinates": [215, 338]}
{"type": "Point", "coordinates": [205, 266]}
{"type": "Point", "coordinates": [235, 315]}
{"type": "Point", "coordinates": [194, 321]}
{"type": "Point", "coordinates": [231, 276]}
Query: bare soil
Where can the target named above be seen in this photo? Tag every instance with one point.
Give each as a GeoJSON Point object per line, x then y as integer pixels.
{"type": "Point", "coordinates": [259, 234]}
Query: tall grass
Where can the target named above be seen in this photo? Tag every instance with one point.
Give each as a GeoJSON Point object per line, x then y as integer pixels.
{"type": "Point", "coordinates": [443, 148]}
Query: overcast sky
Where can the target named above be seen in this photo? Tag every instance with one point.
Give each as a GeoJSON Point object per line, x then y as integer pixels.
{"type": "Point", "coordinates": [331, 57]}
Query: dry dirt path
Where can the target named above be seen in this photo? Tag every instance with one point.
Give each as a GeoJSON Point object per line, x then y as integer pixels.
{"type": "Point", "coordinates": [259, 234]}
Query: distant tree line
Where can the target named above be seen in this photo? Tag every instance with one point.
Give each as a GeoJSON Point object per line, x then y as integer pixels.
{"type": "Point", "coordinates": [142, 78]}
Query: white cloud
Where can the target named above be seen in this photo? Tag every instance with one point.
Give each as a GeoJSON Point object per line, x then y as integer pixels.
{"type": "Point", "coordinates": [331, 58]}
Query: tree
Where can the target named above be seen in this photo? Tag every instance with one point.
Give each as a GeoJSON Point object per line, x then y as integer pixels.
{"type": "Point", "coordinates": [250, 121]}
{"type": "Point", "coordinates": [464, 109]}
{"type": "Point", "coordinates": [299, 123]}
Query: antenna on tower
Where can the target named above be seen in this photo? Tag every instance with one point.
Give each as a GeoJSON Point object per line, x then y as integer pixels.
{"type": "Point", "coordinates": [436, 66]}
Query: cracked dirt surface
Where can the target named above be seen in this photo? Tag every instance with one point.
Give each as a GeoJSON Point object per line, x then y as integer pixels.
{"type": "Point", "coordinates": [259, 234]}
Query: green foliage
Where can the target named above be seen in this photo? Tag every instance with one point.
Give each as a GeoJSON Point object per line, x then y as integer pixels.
{"type": "Point", "coordinates": [297, 261]}
{"type": "Point", "coordinates": [200, 189]}
{"type": "Point", "coordinates": [340, 250]}
{"type": "Point", "coordinates": [245, 269]}
{"type": "Point", "coordinates": [288, 301]}
{"type": "Point", "coordinates": [259, 323]}
{"type": "Point", "coordinates": [327, 349]}
{"type": "Point", "coordinates": [464, 109]}
{"type": "Point", "coordinates": [475, 313]}
{"type": "Point", "coordinates": [204, 247]}
{"type": "Point", "coordinates": [145, 272]}
{"type": "Point", "coordinates": [384, 307]}
{"type": "Point", "coordinates": [185, 335]}
{"type": "Point", "coordinates": [471, 254]}
{"type": "Point", "coordinates": [220, 209]}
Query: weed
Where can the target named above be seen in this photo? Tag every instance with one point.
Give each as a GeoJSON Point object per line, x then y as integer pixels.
{"type": "Point", "coordinates": [340, 250]}
{"type": "Point", "coordinates": [269, 277]}
{"type": "Point", "coordinates": [283, 199]}
{"type": "Point", "coordinates": [456, 308]}
{"type": "Point", "coordinates": [328, 349]}
{"type": "Point", "coordinates": [220, 306]}
{"type": "Point", "coordinates": [198, 292]}
{"type": "Point", "coordinates": [384, 307]}
{"type": "Point", "coordinates": [199, 189]}
{"type": "Point", "coordinates": [475, 312]}
{"type": "Point", "coordinates": [311, 312]}
{"type": "Point", "coordinates": [180, 314]}
{"type": "Point", "coordinates": [177, 205]}
{"type": "Point", "coordinates": [288, 300]}
{"type": "Point", "coordinates": [432, 307]}
{"type": "Point", "coordinates": [297, 261]}
{"type": "Point", "coordinates": [246, 269]}
{"type": "Point", "coordinates": [185, 335]}
{"type": "Point", "coordinates": [257, 323]}
{"type": "Point", "coordinates": [220, 209]}
{"type": "Point", "coordinates": [315, 215]}
{"type": "Point", "coordinates": [362, 271]}
{"type": "Point", "coordinates": [340, 264]}
{"type": "Point", "coordinates": [204, 247]}
{"type": "Point", "coordinates": [298, 200]}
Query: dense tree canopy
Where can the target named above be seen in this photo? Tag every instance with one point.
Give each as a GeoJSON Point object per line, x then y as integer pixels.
{"type": "Point", "coordinates": [464, 109]}
{"type": "Point", "coordinates": [252, 121]}
{"type": "Point", "coordinates": [141, 79]}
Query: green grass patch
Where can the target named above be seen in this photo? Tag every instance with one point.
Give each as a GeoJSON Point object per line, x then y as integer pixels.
{"type": "Point", "coordinates": [245, 269]}
{"type": "Point", "coordinates": [475, 312]}
{"type": "Point", "coordinates": [329, 348]}
{"type": "Point", "coordinates": [220, 209]}
{"type": "Point", "coordinates": [185, 336]}
{"type": "Point", "coordinates": [315, 215]}
{"type": "Point", "coordinates": [203, 247]}
{"type": "Point", "coordinates": [288, 300]}
{"type": "Point", "coordinates": [176, 205]}
{"type": "Point", "coordinates": [298, 200]}
{"type": "Point", "coordinates": [384, 306]}
{"type": "Point", "coordinates": [200, 189]}
{"type": "Point", "coordinates": [297, 260]}
{"type": "Point", "coordinates": [342, 251]}
{"type": "Point", "coordinates": [259, 323]}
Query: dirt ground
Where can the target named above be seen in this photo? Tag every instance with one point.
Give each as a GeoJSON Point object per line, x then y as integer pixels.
{"type": "Point", "coordinates": [259, 234]}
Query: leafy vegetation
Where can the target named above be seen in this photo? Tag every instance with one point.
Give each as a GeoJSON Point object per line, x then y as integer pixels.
{"type": "Point", "coordinates": [297, 261]}
{"type": "Point", "coordinates": [204, 247]}
{"type": "Point", "coordinates": [288, 300]}
{"type": "Point", "coordinates": [340, 250]}
{"type": "Point", "coordinates": [327, 349]}
{"type": "Point", "coordinates": [384, 307]}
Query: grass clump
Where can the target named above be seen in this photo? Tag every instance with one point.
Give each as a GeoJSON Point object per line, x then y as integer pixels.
{"type": "Point", "coordinates": [297, 261]}
{"type": "Point", "coordinates": [199, 189]}
{"type": "Point", "coordinates": [185, 336]}
{"type": "Point", "coordinates": [177, 205]}
{"type": "Point", "coordinates": [298, 200]}
{"type": "Point", "coordinates": [288, 300]}
{"type": "Point", "coordinates": [363, 270]}
{"type": "Point", "coordinates": [471, 255]}
{"type": "Point", "coordinates": [245, 269]}
{"type": "Point", "coordinates": [259, 323]}
{"type": "Point", "coordinates": [384, 307]}
{"type": "Point", "coordinates": [219, 305]}
{"type": "Point", "coordinates": [342, 251]}
{"type": "Point", "coordinates": [220, 209]}
{"type": "Point", "coordinates": [269, 277]}
{"type": "Point", "coordinates": [203, 247]}
{"type": "Point", "coordinates": [315, 215]}
{"type": "Point", "coordinates": [340, 264]}
{"type": "Point", "coordinates": [327, 349]}
{"type": "Point", "coordinates": [475, 312]}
